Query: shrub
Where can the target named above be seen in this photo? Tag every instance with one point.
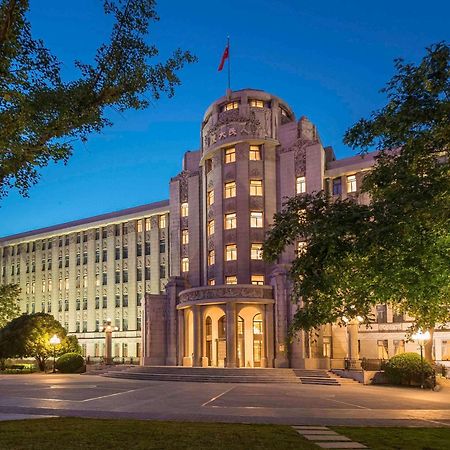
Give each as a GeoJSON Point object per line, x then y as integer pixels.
{"type": "Point", "coordinates": [406, 368]}
{"type": "Point", "coordinates": [70, 363]}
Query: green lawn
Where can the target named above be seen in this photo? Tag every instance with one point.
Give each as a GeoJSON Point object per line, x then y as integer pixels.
{"type": "Point", "coordinates": [399, 438]}
{"type": "Point", "coordinates": [85, 434]}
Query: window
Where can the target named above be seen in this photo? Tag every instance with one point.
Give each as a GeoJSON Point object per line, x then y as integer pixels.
{"type": "Point", "coordinates": [138, 249]}
{"type": "Point", "coordinates": [125, 300]}
{"type": "Point", "coordinates": [258, 280]}
{"type": "Point", "coordinates": [230, 252]}
{"type": "Point", "coordinates": [162, 245]}
{"type": "Point", "coordinates": [256, 103]}
{"type": "Point", "coordinates": [105, 255]}
{"type": "Point", "coordinates": [383, 349]}
{"type": "Point", "coordinates": [104, 278]}
{"type": "Point", "coordinates": [230, 221]}
{"type": "Point", "coordinates": [399, 346]}
{"type": "Point", "coordinates": [85, 237]}
{"type": "Point", "coordinates": [139, 226]}
{"type": "Point", "coordinates": [117, 301]}
{"type": "Point", "coordinates": [125, 252]}
{"type": "Point", "coordinates": [104, 301]}
{"type": "Point", "coordinates": [230, 155]}
{"type": "Point", "coordinates": [381, 313]}
{"type": "Point", "coordinates": [117, 276]}
{"type": "Point", "coordinates": [125, 276]}
{"type": "Point", "coordinates": [97, 256]}
{"type": "Point", "coordinates": [255, 153]}
{"type": "Point", "coordinates": [229, 106]}
{"type": "Point", "coordinates": [300, 185]}
{"type": "Point", "coordinates": [210, 197]}
{"type": "Point", "coordinates": [78, 258]}
{"type": "Point", "coordinates": [185, 264]}
{"type": "Point", "coordinates": [117, 230]}
{"type": "Point", "coordinates": [337, 186]}
{"type": "Point", "coordinates": [256, 219]}
{"type": "Point", "coordinates": [162, 221]}
{"type": "Point", "coordinates": [397, 316]}
{"type": "Point", "coordinates": [147, 248]}
{"type": "Point", "coordinates": [162, 271]}
{"type": "Point", "coordinates": [231, 279]}
{"type": "Point", "coordinates": [138, 299]}
{"type": "Point", "coordinates": [117, 253]}
{"type": "Point", "coordinates": [211, 282]}
{"type": "Point", "coordinates": [97, 302]}
{"type": "Point", "coordinates": [210, 227]}
{"type": "Point", "coordinates": [184, 209]}
{"type": "Point", "coordinates": [84, 303]}
{"type": "Point", "coordinates": [211, 257]}
{"type": "Point", "coordinates": [85, 257]}
{"type": "Point", "coordinates": [256, 187]}
{"type": "Point", "coordinates": [104, 233]}
{"type": "Point", "coordinates": [256, 251]}
{"type": "Point", "coordinates": [125, 228]}
{"type": "Point", "coordinates": [147, 273]}
{"type": "Point", "coordinates": [85, 281]}
{"type": "Point", "coordinates": [147, 225]}
{"type": "Point", "coordinates": [138, 274]}
{"type": "Point", "coordinates": [230, 189]}
{"type": "Point", "coordinates": [351, 183]}
{"type": "Point", "coordinates": [185, 237]}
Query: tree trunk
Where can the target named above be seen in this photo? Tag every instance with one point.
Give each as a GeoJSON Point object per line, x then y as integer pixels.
{"type": "Point", "coordinates": [41, 363]}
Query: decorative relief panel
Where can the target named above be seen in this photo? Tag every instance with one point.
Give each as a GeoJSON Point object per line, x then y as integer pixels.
{"type": "Point", "coordinates": [226, 292]}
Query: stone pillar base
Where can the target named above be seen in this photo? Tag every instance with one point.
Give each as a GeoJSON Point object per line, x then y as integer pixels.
{"type": "Point", "coordinates": [171, 361]}
{"type": "Point", "coordinates": [281, 362]}
{"type": "Point", "coordinates": [263, 362]}
{"type": "Point", "coordinates": [204, 361]}
{"type": "Point", "coordinates": [187, 361]}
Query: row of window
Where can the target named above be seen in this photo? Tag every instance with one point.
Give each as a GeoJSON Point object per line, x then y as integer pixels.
{"type": "Point", "coordinates": [253, 103]}
{"type": "Point", "coordinates": [257, 280]}
{"type": "Point", "coordinates": [119, 229]}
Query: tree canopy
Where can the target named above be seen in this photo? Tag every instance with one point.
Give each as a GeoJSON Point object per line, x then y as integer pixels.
{"type": "Point", "coordinates": [397, 249]}
{"type": "Point", "coordinates": [28, 336]}
{"type": "Point", "coordinates": [42, 115]}
{"type": "Point", "coordinates": [9, 303]}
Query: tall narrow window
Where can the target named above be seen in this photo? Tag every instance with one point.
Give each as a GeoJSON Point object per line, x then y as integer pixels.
{"type": "Point", "coordinates": [184, 237]}
{"type": "Point", "coordinates": [162, 221]}
{"type": "Point", "coordinates": [148, 225]}
{"type": "Point", "coordinates": [139, 226]}
{"type": "Point", "coordinates": [184, 209]}
{"type": "Point", "coordinates": [210, 197]}
{"type": "Point", "coordinates": [230, 155]}
{"type": "Point", "coordinates": [211, 257]}
{"type": "Point", "coordinates": [185, 264]}
{"type": "Point", "coordinates": [256, 219]}
{"type": "Point", "coordinates": [230, 221]}
{"type": "Point", "coordinates": [337, 186]}
{"type": "Point", "coordinates": [351, 183]}
{"type": "Point", "coordinates": [231, 252]}
{"type": "Point", "coordinates": [230, 189]}
{"type": "Point", "coordinates": [300, 185]}
{"type": "Point", "coordinates": [256, 187]}
{"type": "Point", "coordinates": [255, 153]}
{"type": "Point", "coordinates": [210, 227]}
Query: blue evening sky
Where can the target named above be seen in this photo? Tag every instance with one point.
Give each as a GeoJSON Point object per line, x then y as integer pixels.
{"type": "Point", "coordinates": [327, 59]}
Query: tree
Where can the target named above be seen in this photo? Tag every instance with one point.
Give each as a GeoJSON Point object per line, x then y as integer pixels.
{"type": "Point", "coordinates": [28, 336]}
{"type": "Point", "coordinates": [41, 115]}
{"type": "Point", "coordinates": [9, 307]}
{"type": "Point", "coordinates": [397, 249]}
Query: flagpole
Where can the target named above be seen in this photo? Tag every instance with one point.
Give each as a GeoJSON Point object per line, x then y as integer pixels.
{"type": "Point", "coordinates": [229, 71]}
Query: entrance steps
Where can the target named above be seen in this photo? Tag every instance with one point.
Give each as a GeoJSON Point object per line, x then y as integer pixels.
{"type": "Point", "coordinates": [225, 375]}
{"type": "Point", "coordinates": [205, 374]}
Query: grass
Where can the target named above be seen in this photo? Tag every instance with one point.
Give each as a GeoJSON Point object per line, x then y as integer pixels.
{"type": "Point", "coordinates": [396, 438]}
{"type": "Point", "coordinates": [99, 434]}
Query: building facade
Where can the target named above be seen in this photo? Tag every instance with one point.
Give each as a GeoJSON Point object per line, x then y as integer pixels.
{"type": "Point", "coordinates": [196, 259]}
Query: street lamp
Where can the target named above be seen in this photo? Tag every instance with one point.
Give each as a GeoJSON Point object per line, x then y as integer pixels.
{"type": "Point", "coordinates": [54, 341]}
{"type": "Point", "coordinates": [421, 339]}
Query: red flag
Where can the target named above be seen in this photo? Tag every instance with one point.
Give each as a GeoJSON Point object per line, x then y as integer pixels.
{"type": "Point", "coordinates": [224, 57]}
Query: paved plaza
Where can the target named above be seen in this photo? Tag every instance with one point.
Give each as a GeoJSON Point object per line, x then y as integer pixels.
{"type": "Point", "coordinates": [95, 396]}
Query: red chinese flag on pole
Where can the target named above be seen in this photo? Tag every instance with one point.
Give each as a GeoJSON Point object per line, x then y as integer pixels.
{"type": "Point", "coordinates": [224, 58]}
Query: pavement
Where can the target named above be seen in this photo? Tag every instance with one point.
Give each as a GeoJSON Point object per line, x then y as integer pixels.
{"type": "Point", "coordinates": [44, 395]}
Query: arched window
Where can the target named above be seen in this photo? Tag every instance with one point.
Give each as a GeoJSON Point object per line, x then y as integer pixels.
{"type": "Point", "coordinates": [222, 328]}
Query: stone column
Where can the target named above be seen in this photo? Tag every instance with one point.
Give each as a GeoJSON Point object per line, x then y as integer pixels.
{"type": "Point", "coordinates": [231, 335]}
{"type": "Point", "coordinates": [173, 288]}
{"type": "Point", "coordinates": [264, 335]}
{"type": "Point", "coordinates": [353, 353]}
{"type": "Point", "coordinates": [269, 335]}
{"type": "Point", "coordinates": [181, 343]}
{"type": "Point", "coordinates": [197, 324]}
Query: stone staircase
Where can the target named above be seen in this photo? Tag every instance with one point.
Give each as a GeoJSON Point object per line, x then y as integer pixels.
{"type": "Point", "coordinates": [205, 374]}
{"type": "Point", "coordinates": [317, 377]}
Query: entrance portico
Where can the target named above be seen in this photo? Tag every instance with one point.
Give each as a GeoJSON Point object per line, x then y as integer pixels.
{"type": "Point", "coordinates": [226, 326]}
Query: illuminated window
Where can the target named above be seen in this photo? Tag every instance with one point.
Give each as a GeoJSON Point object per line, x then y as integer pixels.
{"type": "Point", "coordinates": [184, 236]}
{"type": "Point", "coordinates": [256, 187]}
{"type": "Point", "coordinates": [383, 349]}
{"type": "Point", "coordinates": [230, 252]}
{"type": "Point", "coordinates": [256, 251]}
{"type": "Point", "coordinates": [139, 225]}
{"type": "Point", "coordinates": [258, 280]}
{"type": "Point", "coordinates": [351, 183]}
{"type": "Point", "coordinates": [162, 221]}
{"type": "Point", "coordinates": [256, 219]}
{"type": "Point", "coordinates": [147, 225]}
{"type": "Point", "coordinates": [230, 155]}
{"type": "Point", "coordinates": [211, 257]}
{"type": "Point", "coordinates": [211, 282]}
{"type": "Point", "coordinates": [210, 227]}
{"type": "Point", "coordinates": [256, 103]}
{"type": "Point", "coordinates": [185, 264]}
{"type": "Point", "coordinates": [255, 153]}
{"type": "Point", "coordinates": [210, 197]}
{"type": "Point", "coordinates": [184, 209]}
{"type": "Point", "coordinates": [230, 221]}
{"type": "Point", "coordinates": [230, 189]}
{"type": "Point", "coordinates": [300, 185]}
{"type": "Point", "coordinates": [231, 279]}
{"type": "Point", "coordinates": [230, 105]}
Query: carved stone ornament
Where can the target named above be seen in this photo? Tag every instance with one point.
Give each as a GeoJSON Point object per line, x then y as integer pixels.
{"type": "Point", "coordinates": [182, 178]}
{"type": "Point", "coordinates": [225, 292]}
{"type": "Point", "coordinates": [210, 213]}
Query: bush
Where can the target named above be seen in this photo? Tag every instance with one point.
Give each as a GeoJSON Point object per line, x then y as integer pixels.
{"type": "Point", "coordinates": [70, 363]}
{"type": "Point", "coordinates": [406, 369]}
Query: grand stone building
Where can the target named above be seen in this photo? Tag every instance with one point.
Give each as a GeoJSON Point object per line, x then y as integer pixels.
{"type": "Point", "coordinates": [196, 259]}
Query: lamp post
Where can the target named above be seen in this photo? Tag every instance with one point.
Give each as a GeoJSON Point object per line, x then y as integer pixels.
{"type": "Point", "coordinates": [108, 329]}
{"type": "Point", "coordinates": [421, 339]}
{"type": "Point", "coordinates": [54, 341]}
